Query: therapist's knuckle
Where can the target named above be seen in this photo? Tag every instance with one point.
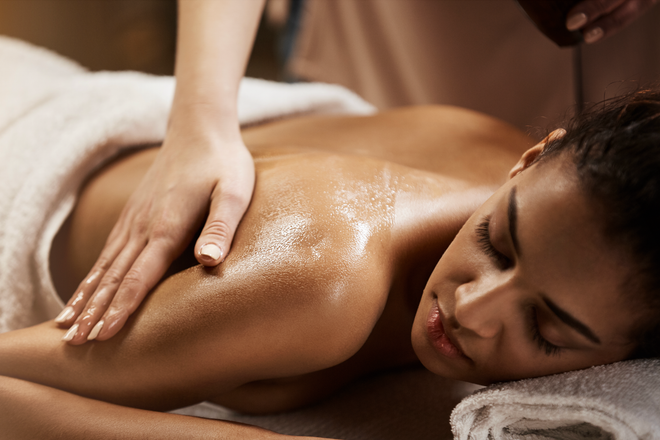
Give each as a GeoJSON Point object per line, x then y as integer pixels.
{"type": "Point", "coordinates": [613, 23]}
{"type": "Point", "coordinates": [133, 286]}
{"type": "Point", "coordinates": [597, 8]}
{"type": "Point", "coordinates": [163, 231]}
{"type": "Point", "coordinates": [168, 228]}
{"type": "Point", "coordinates": [132, 280]}
{"type": "Point", "coordinates": [103, 263]}
{"type": "Point", "coordinates": [235, 199]}
{"type": "Point", "coordinates": [218, 229]}
{"type": "Point", "coordinates": [112, 278]}
{"type": "Point", "coordinates": [140, 226]}
{"type": "Point", "coordinates": [116, 313]}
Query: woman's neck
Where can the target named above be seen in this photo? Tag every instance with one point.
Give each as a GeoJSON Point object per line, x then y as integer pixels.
{"type": "Point", "coordinates": [424, 228]}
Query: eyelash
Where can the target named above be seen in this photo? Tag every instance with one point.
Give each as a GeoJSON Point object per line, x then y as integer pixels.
{"type": "Point", "coordinates": [483, 234]}
{"type": "Point", "coordinates": [549, 348]}
{"type": "Point", "coordinates": [503, 262]}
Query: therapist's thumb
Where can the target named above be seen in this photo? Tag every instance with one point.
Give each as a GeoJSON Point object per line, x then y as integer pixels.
{"type": "Point", "coordinates": [216, 238]}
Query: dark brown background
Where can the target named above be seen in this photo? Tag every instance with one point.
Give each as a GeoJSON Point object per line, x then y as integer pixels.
{"type": "Point", "coordinates": [117, 34]}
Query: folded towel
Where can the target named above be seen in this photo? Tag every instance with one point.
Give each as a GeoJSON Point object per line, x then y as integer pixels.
{"type": "Point", "coordinates": [59, 122]}
{"type": "Point", "coordinates": [618, 401]}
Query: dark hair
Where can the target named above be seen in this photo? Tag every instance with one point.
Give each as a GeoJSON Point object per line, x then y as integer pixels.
{"type": "Point", "coordinates": [615, 146]}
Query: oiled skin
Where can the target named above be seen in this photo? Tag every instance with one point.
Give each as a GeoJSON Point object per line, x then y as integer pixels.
{"type": "Point", "coordinates": [348, 219]}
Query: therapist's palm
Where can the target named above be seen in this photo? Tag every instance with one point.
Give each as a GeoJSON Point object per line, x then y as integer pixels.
{"type": "Point", "coordinates": [191, 177]}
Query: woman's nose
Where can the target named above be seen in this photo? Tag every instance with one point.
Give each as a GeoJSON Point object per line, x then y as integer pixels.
{"type": "Point", "coordinates": [480, 306]}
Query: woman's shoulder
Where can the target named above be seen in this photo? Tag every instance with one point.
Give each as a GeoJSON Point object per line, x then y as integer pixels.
{"type": "Point", "coordinates": [442, 139]}
{"type": "Point", "coordinates": [323, 219]}
{"type": "Point", "coordinates": [316, 207]}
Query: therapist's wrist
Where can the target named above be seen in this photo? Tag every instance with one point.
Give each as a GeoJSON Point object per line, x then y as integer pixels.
{"type": "Point", "coordinates": [207, 122]}
{"type": "Point", "coordinates": [205, 109]}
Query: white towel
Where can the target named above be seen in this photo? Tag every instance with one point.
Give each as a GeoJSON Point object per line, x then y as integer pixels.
{"type": "Point", "coordinates": [618, 401]}
{"type": "Point", "coordinates": [59, 122]}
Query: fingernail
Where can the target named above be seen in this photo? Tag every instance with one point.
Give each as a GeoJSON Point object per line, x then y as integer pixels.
{"type": "Point", "coordinates": [576, 21]}
{"type": "Point", "coordinates": [71, 333]}
{"type": "Point", "coordinates": [95, 331]}
{"type": "Point", "coordinates": [66, 314]}
{"type": "Point", "coordinates": [210, 250]}
{"type": "Point", "coordinates": [593, 35]}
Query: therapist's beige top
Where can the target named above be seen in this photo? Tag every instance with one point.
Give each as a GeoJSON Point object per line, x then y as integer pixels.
{"type": "Point", "coordinates": [480, 54]}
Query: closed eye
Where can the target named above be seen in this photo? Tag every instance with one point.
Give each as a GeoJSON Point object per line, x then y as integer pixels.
{"type": "Point", "coordinates": [548, 347]}
{"type": "Point", "coordinates": [483, 237]}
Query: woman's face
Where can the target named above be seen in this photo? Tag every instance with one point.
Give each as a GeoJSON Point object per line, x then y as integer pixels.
{"type": "Point", "coordinates": [528, 287]}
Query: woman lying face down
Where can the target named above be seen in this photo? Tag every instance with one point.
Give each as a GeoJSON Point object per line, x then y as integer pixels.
{"type": "Point", "coordinates": [544, 272]}
{"type": "Point", "coordinates": [529, 286]}
{"type": "Point", "coordinates": [558, 270]}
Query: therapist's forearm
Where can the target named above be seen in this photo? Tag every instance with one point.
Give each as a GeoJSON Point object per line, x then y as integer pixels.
{"type": "Point", "coordinates": [213, 46]}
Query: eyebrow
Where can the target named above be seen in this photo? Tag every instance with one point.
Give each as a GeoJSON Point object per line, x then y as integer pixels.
{"type": "Point", "coordinates": [569, 320]}
{"type": "Point", "coordinates": [563, 315]}
{"type": "Point", "coordinates": [512, 213]}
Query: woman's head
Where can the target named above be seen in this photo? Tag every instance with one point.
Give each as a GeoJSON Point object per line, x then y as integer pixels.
{"type": "Point", "coordinates": [615, 149]}
{"type": "Point", "coordinates": [550, 275]}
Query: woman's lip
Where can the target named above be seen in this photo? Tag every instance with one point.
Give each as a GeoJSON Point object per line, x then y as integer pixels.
{"type": "Point", "coordinates": [440, 338]}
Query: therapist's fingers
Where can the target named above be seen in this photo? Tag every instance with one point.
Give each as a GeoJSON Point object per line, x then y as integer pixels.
{"type": "Point", "coordinates": [616, 20]}
{"type": "Point", "coordinates": [157, 222]}
{"type": "Point", "coordinates": [144, 258]}
{"type": "Point", "coordinates": [98, 303]}
{"type": "Point", "coordinates": [76, 304]}
{"type": "Point", "coordinates": [145, 273]}
{"type": "Point", "coordinates": [588, 11]}
{"type": "Point", "coordinates": [228, 204]}
{"type": "Point", "coordinates": [598, 19]}
{"type": "Point", "coordinates": [215, 240]}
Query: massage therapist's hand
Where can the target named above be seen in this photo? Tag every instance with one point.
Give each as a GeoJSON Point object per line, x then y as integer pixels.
{"type": "Point", "coordinates": [597, 19]}
{"type": "Point", "coordinates": [194, 174]}
{"type": "Point", "coordinates": [203, 174]}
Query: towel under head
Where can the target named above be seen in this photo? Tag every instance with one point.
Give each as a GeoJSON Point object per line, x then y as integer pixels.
{"type": "Point", "coordinates": [617, 401]}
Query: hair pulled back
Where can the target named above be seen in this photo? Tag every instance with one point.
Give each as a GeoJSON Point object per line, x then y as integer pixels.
{"type": "Point", "coordinates": [615, 147]}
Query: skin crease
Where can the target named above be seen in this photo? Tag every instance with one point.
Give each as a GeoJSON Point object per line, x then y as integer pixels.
{"type": "Point", "coordinates": [326, 271]}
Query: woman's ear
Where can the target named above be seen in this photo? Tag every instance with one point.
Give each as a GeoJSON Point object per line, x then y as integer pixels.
{"type": "Point", "coordinates": [530, 155]}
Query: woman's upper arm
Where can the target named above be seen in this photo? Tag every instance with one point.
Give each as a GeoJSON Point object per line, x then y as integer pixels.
{"type": "Point", "coordinates": [300, 292]}
{"type": "Point", "coordinates": [205, 331]}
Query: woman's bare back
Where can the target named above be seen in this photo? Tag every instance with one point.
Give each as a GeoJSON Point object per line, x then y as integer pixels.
{"type": "Point", "coordinates": [348, 219]}
{"type": "Point", "coordinates": [458, 145]}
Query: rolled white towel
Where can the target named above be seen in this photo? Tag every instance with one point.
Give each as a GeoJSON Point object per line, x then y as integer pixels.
{"type": "Point", "coordinates": [618, 401]}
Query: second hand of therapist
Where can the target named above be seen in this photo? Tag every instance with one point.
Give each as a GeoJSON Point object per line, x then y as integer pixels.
{"type": "Point", "coordinates": [599, 19]}
{"type": "Point", "coordinates": [203, 167]}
